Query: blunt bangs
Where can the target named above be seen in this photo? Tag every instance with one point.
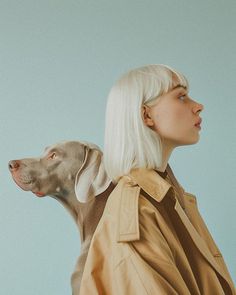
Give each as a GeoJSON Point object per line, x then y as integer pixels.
{"type": "Point", "coordinates": [160, 79]}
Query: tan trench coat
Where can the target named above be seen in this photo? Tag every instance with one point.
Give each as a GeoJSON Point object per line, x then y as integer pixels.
{"type": "Point", "coordinates": [151, 240]}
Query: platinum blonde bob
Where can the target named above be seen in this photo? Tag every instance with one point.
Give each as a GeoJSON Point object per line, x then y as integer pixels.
{"type": "Point", "coordinates": [129, 143]}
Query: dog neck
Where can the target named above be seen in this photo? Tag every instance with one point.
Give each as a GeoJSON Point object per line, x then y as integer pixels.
{"type": "Point", "coordinates": [82, 212]}
{"type": "Point", "coordinates": [70, 203]}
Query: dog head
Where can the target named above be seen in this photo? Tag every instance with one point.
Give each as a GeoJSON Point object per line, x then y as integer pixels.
{"type": "Point", "coordinates": [64, 167]}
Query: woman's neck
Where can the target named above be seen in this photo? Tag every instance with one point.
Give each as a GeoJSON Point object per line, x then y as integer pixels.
{"type": "Point", "coordinates": [167, 149]}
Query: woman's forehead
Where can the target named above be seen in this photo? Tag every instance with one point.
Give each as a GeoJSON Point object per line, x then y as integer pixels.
{"type": "Point", "coordinates": [179, 81]}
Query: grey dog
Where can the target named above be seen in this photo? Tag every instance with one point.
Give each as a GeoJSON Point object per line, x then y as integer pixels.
{"type": "Point", "coordinates": [72, 172]}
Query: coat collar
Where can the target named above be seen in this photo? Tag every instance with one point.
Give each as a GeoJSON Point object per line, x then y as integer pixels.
{"type": "Point", "coordinates": [154, 183]}
{"type": "Point", "coordinates": [150, 181]}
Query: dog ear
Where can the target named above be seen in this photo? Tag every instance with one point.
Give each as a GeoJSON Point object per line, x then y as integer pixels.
{"type": "Point", "coordinates": [91, 180]}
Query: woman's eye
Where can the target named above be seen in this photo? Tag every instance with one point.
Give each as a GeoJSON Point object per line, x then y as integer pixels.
{"type": "Point", "coordinates": [182, 96]}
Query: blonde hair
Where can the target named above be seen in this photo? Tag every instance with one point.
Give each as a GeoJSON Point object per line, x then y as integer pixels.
{"type": "Point", "coordinates": [129, 143]}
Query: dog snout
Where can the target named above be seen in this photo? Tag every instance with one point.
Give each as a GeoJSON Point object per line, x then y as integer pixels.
{"type": "Point", "coordinates": [14, 165]}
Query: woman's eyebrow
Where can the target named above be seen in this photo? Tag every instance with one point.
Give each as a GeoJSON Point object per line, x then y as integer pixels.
{"type": "Point", "coordinates": [179, 85]}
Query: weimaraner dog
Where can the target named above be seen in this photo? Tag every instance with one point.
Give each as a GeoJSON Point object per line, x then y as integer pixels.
{"type": "Point", "coordinates": [73, 173]}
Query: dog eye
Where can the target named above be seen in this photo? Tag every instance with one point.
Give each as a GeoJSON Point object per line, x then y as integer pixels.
{"type": "Point", "coordinates": [52, 156]}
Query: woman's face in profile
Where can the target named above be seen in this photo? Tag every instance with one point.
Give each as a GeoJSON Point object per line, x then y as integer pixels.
{"type": "Point", "coordinates": [174, 116]}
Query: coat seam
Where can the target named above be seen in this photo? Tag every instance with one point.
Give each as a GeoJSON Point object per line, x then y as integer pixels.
{"type": "Point", "coordinates": [138, 275]}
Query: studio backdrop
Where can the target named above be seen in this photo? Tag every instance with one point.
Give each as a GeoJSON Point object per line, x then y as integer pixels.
{"type": "Point", "coordinates": [58, 61]}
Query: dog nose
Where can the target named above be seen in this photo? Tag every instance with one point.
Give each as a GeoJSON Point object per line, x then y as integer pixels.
{"type": "Point", "coordinates": [14, 165]}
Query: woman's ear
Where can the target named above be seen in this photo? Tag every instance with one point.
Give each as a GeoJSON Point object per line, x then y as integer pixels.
{"type": "Point", "coordinates": [146, 115]}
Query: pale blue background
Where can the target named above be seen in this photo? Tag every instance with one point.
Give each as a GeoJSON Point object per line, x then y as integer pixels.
{"type": "Point", "coordinates": [58, 61]}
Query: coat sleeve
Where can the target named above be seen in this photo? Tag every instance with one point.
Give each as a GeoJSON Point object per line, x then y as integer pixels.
{"type": "Point", "coordinates": [152, 258]}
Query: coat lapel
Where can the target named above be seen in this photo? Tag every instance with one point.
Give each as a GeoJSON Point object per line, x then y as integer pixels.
{"type": "Point", "coordinates": [199, 241]}
{"type": "Point", "coordinates": [196, 237]}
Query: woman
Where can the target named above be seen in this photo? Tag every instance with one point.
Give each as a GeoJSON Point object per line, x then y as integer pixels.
{"type": "Point", "coordinates": [151, 238]}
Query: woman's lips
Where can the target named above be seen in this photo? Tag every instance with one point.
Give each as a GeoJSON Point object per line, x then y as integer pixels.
{"type": "Point", "coordinates": [198, 126]}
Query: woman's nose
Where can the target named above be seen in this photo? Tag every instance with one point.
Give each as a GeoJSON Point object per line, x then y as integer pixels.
{"type": "Point", "coordinates": [198, 107]}
{"type": "Point", "coordinates": [201, 107]}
